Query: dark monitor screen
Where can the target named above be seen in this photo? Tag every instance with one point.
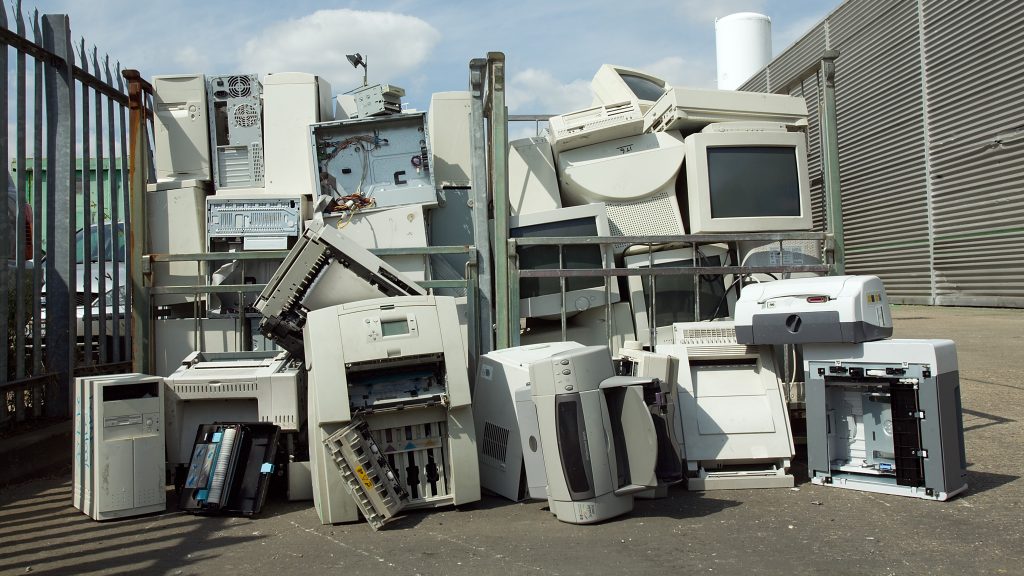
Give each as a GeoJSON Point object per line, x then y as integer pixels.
{"type": "Point", "coordinates": [643, 88]}
{"type": "Point", "coordinates": [546, 257]}
{"type": "Point", "coordinates": [675, 299]}
{"type": "Point", "coordinates": [753, 181]}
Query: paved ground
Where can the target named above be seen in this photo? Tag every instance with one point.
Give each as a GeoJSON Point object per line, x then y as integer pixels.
{"type": "Point", "coordinates": [811, 530]}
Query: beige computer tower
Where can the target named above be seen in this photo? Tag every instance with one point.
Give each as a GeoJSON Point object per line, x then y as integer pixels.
{"type": "Point", "coordinates": [292, 101]}
{"type": "Point", "coordinates": [451, 141]}
{"type": "Point", "coordinates": [181, 148]}
{"type": "Point", "coordinates": [176, 215]}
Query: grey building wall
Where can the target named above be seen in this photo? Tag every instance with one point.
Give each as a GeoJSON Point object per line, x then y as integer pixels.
{"type": "Point", "coordinates": [931, 143]}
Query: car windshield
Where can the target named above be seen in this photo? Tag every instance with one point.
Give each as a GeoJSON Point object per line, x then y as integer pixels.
{"type": "Point", "coordinates": [108, 244]}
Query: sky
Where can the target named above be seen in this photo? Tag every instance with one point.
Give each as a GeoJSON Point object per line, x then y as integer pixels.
{"type": "Point", "coordinates": [552, 48]}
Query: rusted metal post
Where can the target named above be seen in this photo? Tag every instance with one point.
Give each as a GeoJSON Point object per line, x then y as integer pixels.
{"type": "Point", "coordinates": [138, 174]}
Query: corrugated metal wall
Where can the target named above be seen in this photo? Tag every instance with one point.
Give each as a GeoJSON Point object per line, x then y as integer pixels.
{"type": "Point", "coordinates": [931, 143]}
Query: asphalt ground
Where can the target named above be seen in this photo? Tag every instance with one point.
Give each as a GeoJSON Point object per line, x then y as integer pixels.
{"type": "Point", "coordinates": [807, 530]}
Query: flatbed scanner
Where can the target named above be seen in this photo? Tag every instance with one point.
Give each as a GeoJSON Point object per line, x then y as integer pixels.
{"type": "Point", "coordinates": [802, 310]}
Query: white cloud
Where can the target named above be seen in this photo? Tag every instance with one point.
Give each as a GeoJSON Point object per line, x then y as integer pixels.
{"type": "Point", "coordinates": [393, 43]}
{"type": "Point", "coordinates": [189, 58]}
{"type": "Point", "coordinates": [678, 71]}
{"type": "Point", "coordinates": [534, 91]}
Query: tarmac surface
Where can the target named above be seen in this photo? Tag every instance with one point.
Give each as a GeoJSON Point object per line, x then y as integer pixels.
{"type": "Point", "coordinates": [807, 530]}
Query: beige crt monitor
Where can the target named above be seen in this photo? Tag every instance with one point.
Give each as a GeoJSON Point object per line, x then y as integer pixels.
{"type": "Point", "coordinates": [752, 179]}
{"type": "Point", "coordinates": [614, 84]}
{"type": "Point", "coordinates": [674, 297]}
{"type": "Point", "coordinates": [634, 176]}
{"type": "Point", "coordinates": [532, 176]}
{"type": "Point", "coordinates": [543, 297]}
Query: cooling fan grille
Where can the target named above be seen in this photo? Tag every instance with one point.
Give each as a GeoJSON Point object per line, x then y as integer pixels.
{"type": "Point", "coordinates": [245, 115]}
{"type": "Point", "coordinates": [239, 86]}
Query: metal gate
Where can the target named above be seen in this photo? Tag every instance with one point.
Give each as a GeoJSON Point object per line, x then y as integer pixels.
{"type": "Point", "coordinates": [67, 193]}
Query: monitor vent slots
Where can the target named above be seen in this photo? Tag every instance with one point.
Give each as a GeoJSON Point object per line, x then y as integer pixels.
{"type": "Point", "coordinates": [653, 216]}
{"type": "Point", "coordinates": [369, 476]}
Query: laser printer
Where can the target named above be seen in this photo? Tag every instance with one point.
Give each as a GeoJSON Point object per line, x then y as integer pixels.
{"type": "Point", "coordinates": [399, 366]}
{"type": "Point", "coordinates": [324, 268]}
{"type": "Point", "coordinates": [824, 309]}
{"type": "Point", "coordinates": [886, 417]}
{"type": "Point", "coordinates": [208, 387]}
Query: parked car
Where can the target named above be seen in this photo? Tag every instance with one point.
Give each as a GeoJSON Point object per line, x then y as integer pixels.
{"type": "Point", "coordinates": [10, 230]}
{"type": "Point", "coordinates": [113, 259]}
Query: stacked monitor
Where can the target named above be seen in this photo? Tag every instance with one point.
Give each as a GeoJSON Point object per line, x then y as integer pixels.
{"type": "Point", "coordinates": [697, 162]}
{"type": "Point", "coordinates": [747, 181]}
{"type": "Point", "coordinates": [614, 84]}
{"type": "Point", "coordinates": [675, 298]}
{"type": "Point", "coordinates": [545, 297]}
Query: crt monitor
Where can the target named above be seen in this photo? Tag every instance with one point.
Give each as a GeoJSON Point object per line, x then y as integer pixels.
{"type": "Point", "coordinates": [747, 181]}
{"type": "Point", "coordinates": [635, 177]}
{"type": "Point", "coordinates": [613, 84]}
{"type": "Point", "coordinates": [674, 296]}
{"type": "Point", "coordinates": [541, 297]}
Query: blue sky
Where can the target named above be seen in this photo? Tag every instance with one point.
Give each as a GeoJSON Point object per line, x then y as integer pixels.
{"type": "Point", "coordinates": [552, 48]}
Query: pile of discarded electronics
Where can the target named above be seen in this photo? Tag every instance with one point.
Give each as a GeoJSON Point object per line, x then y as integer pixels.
{"type": "Point", "coordinates": [334, 374]}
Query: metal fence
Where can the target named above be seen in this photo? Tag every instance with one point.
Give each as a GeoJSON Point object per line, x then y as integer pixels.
{"type": "Point", "coordinates": [65, 266]}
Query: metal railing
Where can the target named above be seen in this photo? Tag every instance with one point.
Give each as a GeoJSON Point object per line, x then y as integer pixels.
{"type": "Point", "coordinates": [469, 283]}
{"type": "Point", "coordinates": [740, 272]}
{"type": "Point", "coordinates": [68, 172]}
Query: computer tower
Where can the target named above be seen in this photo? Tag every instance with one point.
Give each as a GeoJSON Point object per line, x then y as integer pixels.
{"type": "Point", "coordinates": [181, 149]}
{"type": "Point", "coordinates": [176, 214]}
{"type": "Point", "coordinates": [532, 177]}
{"type": "Point", "coordinates": [119, 446]}
{"type": "Point", "coordinates": [449, 123]}
{"type": "Point", "coordinates": [236, 130]}
{"type": "Point", "coordinates": [885, 417]}
{"type": "Point", "coordinates": [292, 101]}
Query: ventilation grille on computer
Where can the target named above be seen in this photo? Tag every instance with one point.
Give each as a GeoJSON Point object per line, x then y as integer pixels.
{"type": "Point", "coordinates": [704, 333]}
{"type": "Point", "coordinates": [710, 340]}
{"type": "Point", "coordinates": [271, 217]}
{"type": "Point", "coordinates": [257, 166]}
{"type": "Point", "coordinates": [495, 442]}
{"type": "Point", "coordinates": [793, 253]}
{"type": "Point", "coordinates": [239, 86]}
{"type": "Point", "coordinates": [199, 391]}
{"type": "Point", "coordinates": [245, 115]}
{"type": "Point", "coordinates": [654, 216]}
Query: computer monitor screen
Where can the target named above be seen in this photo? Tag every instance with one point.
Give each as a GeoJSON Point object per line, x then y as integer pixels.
{"type": "Point", "coordinates": [614, 84]}
{"type": "Point", "coordinates": [675, 299]}
{"type": "Point", "coordinates": [740, 176]}
{"type": "Point", "coordinates": [546, 257]}
{"type": "Point", "coordinates": [642, 86]}
{"type": "Point", "coordinates": [746, 181]}
{"type": "Point", "coordinates": [542, 297]}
